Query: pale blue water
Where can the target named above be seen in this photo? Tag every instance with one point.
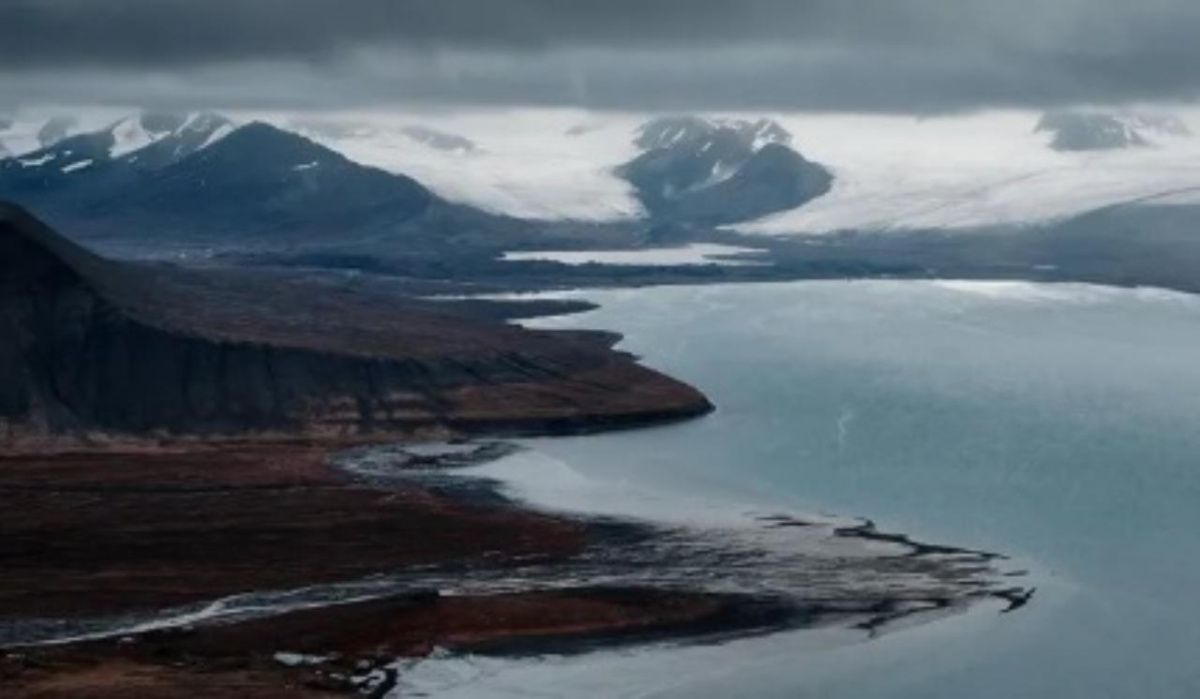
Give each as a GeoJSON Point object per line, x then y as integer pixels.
{"type": "Point", "coordinates": [1059, 424]}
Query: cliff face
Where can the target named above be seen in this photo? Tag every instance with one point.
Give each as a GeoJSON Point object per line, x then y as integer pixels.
{"type": "Point", "coordinates": [91, 346]}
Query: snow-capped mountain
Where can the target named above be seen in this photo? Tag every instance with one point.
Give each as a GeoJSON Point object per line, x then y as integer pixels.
{"type": "Point", "coordinates": [720, 171]}
{"type": "Point", "coordinates": [260, 179]}
{"type": "Point", "coordinates": [148, 140]}
{"type": "Point", "coordinates": [891, 172]}
{"type": "Point", "coordinates": [1081, 130]}
{"type": "Point", "coordinates": [199, 182]}
{"type": "Point", "coordinates": [666, 132]}
{"type": "Point", "coordinates": [957, 171]}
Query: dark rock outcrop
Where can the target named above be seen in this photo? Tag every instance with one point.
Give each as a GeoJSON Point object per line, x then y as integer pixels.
{"type": "Point", "coordinates": [89, 346]}
{"type": "Point", "coordinates": [715, 172]}
{"type": "Point", "coordinates": [1086, 131]}
{"type": "Point", "coordinates": [440, 140]}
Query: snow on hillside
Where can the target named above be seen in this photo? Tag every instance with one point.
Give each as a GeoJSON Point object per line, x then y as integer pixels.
{"type": "Point", "coordinates": [130, 135]}
{"type": "Point", "coordinates": [969, 171]}
{"type": "Point", "coordinates": [531, 163]}
{"type": "Point", "coordinates": [892, 172]}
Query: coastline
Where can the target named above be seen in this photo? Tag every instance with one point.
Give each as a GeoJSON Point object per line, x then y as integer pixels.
{"type": "Point", "coordinates": [300, 522]}
{"type": "Point", "coordinates": [369, 567]}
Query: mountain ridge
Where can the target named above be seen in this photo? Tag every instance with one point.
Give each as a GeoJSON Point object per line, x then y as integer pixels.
{"type": "Point", "coordinates": [94, 347]}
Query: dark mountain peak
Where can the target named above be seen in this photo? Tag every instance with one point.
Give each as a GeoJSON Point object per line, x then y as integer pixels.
{"type": "Point", "coordinates": [1088, 131]}
{"type": "Point", "coordinates": [1093, 130]}
{"type": "Point", "coordinates": [259, 150]}
{"type": "Point", "coordinates": [258, 179]}
{"type": "Point", "coordinates": [209, 182]}
{"type": "Point", "coordinates": [165, 139]}
{"type": "Point", "coordinates": [716, 171]}
{"type": "Point", "coordinates": [668, 131]}
{"type": "Point", "coordinates": [259, 143]}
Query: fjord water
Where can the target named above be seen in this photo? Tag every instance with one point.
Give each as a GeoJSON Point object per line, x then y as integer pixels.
{"type": "Point", "coordinates": [1058, 424]}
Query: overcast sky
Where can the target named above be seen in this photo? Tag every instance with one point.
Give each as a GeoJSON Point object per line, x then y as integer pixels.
{"type": "Point", "coordinates": [912, 56]}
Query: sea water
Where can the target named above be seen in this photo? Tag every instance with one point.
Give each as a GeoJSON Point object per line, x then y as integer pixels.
{"type": "Point", "coordinates": [1057, 424]}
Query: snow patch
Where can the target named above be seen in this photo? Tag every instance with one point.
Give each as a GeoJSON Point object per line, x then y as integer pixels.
{"type": "Point", "coordinates": [77, 166]}
{"type": "Point", "coordinates": [689, 255]}
{"type": "Point", "coordinates": [37, 162]}
{"type": "Point", "coordinates": [220, 132]}
{"type": "Point", "coordinates": [129, 135]}
{"type": "Point", "coordinates": [299, 659]}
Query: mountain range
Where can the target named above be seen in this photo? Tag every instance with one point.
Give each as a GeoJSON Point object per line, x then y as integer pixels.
{"type": "Point", "coordinates": [202, 181]}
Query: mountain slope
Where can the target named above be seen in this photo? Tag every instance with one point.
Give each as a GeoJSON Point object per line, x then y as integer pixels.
{"type": "Point", "coordinates": [259, 180]}
{"type": "Point", "coordinates": [72, 175]}
{"type": "Point", "coordinates": [252, 188]}
{"type": "Point", "coordinates": [90, 346]}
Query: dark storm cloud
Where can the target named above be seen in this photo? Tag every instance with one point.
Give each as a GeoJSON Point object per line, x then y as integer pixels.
{"type": "Point", "coordinates": [903, 55]}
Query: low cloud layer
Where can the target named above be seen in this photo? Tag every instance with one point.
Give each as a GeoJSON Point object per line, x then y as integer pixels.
{"type": "Point", "coordinates": [876, 55]}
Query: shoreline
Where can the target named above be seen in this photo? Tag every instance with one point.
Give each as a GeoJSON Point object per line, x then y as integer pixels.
{"type": "Point", "coordinates": [477, 573]}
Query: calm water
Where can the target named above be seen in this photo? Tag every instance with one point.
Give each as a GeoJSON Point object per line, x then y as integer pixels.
{"type": "Point", "coordinates": [1058, 424]}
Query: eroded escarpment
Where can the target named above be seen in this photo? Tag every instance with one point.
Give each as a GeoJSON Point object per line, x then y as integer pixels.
{"type": "Point", "coordinates": [93, 347]}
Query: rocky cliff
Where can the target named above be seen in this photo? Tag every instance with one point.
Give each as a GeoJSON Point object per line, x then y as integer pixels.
{"type": "Point", "coordinates": [94, 347]}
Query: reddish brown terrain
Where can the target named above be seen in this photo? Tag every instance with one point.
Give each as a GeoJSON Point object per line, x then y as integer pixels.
{"type": "Point", "coordinates": [338, 649]}
{"type": "Point", "coordinates": [165, 438]}
{"type": "Point", "coordinates": [90, 535]}
{"type": "Point", "coordinates": [96, 534]}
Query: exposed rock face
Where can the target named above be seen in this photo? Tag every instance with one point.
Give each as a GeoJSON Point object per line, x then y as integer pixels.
{"type": "Point", "coordinates": [1083, 131]}
{"type": "Point", "coordinates": [440, 140]}
{"type": "Point", "coordinates": [712, 172]}
{"type": "Point", "coordinates": [90, 346]}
